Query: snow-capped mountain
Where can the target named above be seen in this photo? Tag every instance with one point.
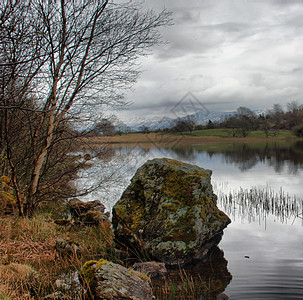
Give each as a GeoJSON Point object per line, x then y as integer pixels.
{"type": "Point", "coordinates": [200, 117]}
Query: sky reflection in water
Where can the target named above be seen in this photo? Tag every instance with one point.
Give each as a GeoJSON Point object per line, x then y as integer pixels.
{"type": "Point", "coordinates": [264, 251]}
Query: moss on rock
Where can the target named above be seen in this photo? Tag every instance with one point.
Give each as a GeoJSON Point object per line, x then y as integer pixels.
{"type": "Point", "coordinates": [107, 280]}
{"type": "Point", "coordinates": [169, 210]}
{"type": "Point", "coordinates": [89, 269]}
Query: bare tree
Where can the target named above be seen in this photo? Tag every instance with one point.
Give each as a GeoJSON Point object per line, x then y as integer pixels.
{"type": "Point", "coordinates": [71, 56]}
{"type": "Point", "coordinates": [276, 115]}
{"type": "Point", "coordinates": [104, 127]}
{"type": "Point", "coordinates": [144, 129]}
{"type": "Point", "coordinates": [183, 125]}
{"type": "Point", "coordinates": [232, 124]}
{"type": "Point", "coordinates": [246, 120]}
{"type": "Point", "coordinates": [294, 114]}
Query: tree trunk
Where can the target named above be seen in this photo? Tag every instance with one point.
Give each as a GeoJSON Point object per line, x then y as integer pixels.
{"type": "Point", "coordinates": [12, 166]}
{"type": "Point", "coordinates": [32, 193]}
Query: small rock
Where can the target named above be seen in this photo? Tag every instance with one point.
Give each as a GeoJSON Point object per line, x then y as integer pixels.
{"type": "Point", "coordinates": [222, 297]}
{"type": "Point", "coordinates": [78, 207]}
{"type": "Point", "coordinates": [107, 280]}
{"type": "Point", "coordinates": [56, 296]}
{"type": "Point", "coordinates": [151, 268]}
{"type": "Point", "coordinates": [68, 248]}
{"type": "Point", "coordinates": [93, 218]}
{"type": "Point", "coordinates": [70, 283]}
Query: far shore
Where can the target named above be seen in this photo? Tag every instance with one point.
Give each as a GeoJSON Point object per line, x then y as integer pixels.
{"type": "Point", "coordinates": [173, 140]}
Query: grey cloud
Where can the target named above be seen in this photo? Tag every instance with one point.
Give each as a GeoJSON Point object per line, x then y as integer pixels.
{"type": "Point", "coordinates": [286, 2]}
{"type": "Point", "coordinates": [295, 22]}
{"type": "Point", "coordinates": [190, 35]}
{"type": "Point", "coordinates": [212, 103]}
{"type": "Point", "coordinates": [228, 53]}
{"type": "Point", "coordinates": [228, 27]}
{"type": "Point", "coordinates": [296, 70]}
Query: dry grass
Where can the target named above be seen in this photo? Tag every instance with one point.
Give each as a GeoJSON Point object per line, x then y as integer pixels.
{"type": "Point", "coordinates": [163, 140]}
{"type": "Point", "coordinates": [25, 245]}
{"type": "Point", "coordinates": [29, 263]}
{"type": "Point", "coordinates": [17, 280]}
{"type": "Point", "coordinates": [145, 138]}
{"type": "Point", "coordinates": [25, 240]}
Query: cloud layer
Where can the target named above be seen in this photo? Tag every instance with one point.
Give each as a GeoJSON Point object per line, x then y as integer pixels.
{"type": "Point", "coordinates": [227, 53]}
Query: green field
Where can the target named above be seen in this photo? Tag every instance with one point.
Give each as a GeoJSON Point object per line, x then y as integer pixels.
{"type": "Point", "coordinates": [224, 132]}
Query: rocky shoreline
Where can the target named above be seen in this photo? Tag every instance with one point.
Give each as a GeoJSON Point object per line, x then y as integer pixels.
{"type": "Point", "coordinates": [166, 218]}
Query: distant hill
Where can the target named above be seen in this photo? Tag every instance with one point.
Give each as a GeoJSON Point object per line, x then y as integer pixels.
{"type": "Point", "coordinates": [200, 117]}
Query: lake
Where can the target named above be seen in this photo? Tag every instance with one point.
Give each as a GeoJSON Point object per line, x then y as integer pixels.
{"type": "Point", "coordinates": [259, 186]}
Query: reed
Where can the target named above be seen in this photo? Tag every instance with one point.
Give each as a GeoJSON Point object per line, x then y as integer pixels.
{"type": "Point", "coordinates": [182, 285]}
{"type": "Point", "coordinates": [256, 204]}
{"type": "Point", "coordinates": [201, 280]}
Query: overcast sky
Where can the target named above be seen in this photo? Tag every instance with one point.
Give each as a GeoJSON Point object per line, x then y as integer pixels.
{"type": "Point", "coordinates": [227, 53]}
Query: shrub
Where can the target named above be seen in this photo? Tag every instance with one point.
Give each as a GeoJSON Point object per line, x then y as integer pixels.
{"type": "Point", "coordinates": [298, 130]}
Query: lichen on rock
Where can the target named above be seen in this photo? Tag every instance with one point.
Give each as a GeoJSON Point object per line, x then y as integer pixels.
{"type": "Point", "coordinates": [107, 280]}
{"type": "Point", "coordinates": [169, 212]}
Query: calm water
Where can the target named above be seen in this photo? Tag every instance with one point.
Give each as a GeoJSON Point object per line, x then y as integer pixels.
{"type": "Point", "coordinates": [264, 243]}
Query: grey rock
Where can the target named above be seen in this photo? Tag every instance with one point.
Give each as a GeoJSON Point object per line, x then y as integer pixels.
{"type": "Point", "coordinates": [152, 268]}
{"type": "Point", "coordinates": [107, 280]}
{"type": "Point", "coordinates": [78, 207]}
{"type": "Point", "coordinates": [56, 296]}
{"type": "Point", "coordinates": [93, 218]}
{"type": "Point", "coordinates": [70, 284]}
{"type": "Point", "coordinates": [169, 213]}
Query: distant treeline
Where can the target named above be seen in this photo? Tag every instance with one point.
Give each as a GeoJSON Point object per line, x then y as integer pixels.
{"type": "Point", "coordinates": [245, 121]}
{"type": "Point", "coordinates": [271, 122]}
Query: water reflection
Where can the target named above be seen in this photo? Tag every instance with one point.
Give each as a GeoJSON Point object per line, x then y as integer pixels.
{"type": "Point", "coordinates": [275, 264]}
{"type": "Point", "coordinates": [201, 280]}
{"type": "Point", "coordinates": [241, 165]}
{"type": "Point", "coordinates": [185, 153]}
{"type": "Point", "coordinates": [266, 223]}
{"type": "Point", "coordinates": [276, 155]}
{"type": "Point", "coordinates": [106, 175]}
{"type": "Point", "coordinates": [247, 155]}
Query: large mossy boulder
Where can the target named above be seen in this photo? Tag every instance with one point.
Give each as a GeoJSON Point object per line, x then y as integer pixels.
{"type": "Point", "coordinates": [169, 212]}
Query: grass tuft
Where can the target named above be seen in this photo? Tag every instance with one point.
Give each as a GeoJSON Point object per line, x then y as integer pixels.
{"type": "Point", "coordinates": [29, 263]}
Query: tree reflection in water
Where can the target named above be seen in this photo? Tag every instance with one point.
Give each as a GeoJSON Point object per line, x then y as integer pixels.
{"type": "Point", "coordinates": [247, 155]}
{"type": "Point", "coordinates": [277, 155]}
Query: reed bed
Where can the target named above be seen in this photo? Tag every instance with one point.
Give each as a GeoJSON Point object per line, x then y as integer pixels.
{"type": "Point", "coordinates": [257, 204]}
{"type": "Point", "coordinates": [183, 285]}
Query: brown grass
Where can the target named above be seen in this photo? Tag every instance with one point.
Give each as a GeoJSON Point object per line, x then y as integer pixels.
{"type": "Point", "coordinates": [29, 263]}
{"type": "Point", "coordinates": [144, 138]}
{"type": "Point", "coordinates": [167, 139]}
